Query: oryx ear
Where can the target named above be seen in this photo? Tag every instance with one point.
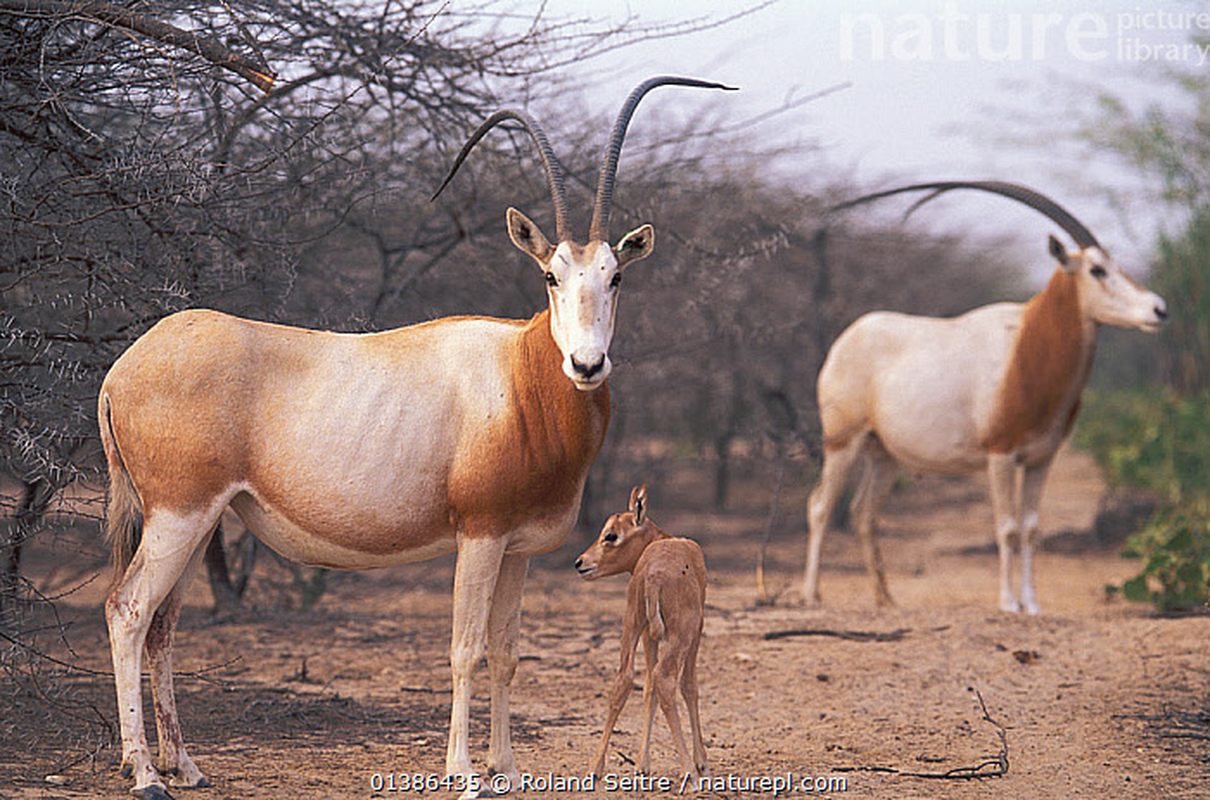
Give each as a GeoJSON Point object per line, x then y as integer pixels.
{"type": "Point", "coordinates": [528, 238]}
{"type": "Point", "coordinates": [638, 503]}
{"type": "Point", "coordinates": [635, 245]}
{"type": "Point", "coordinates": [1059, 253]}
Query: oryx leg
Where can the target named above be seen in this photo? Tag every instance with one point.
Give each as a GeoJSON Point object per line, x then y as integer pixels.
{"type": "Point", "coordinates": [475, 576]}
{"type": "Point", "coordinates": [174, 762]}
{"type": "Point", "coordinates": [667, 677]}
{"type": "Point", "coordinates": [877, 479]}
{"type": "Point", "coordinates": [623, 683]}
{"type": "Point", "coordinates": [503, 630]}
{"type": "Point", "coordinates": [1002, 481]}
{"type": "Point", "coordinates": [1031, 497]}
{"type": "Point", "coordinates": [689, 692]}
{"type": "Point", "coordinates": [170, 544]}
{"type": "Point", "coordinates": [837, 464]}
{"type": "Point", "coordinates": [651, 651]}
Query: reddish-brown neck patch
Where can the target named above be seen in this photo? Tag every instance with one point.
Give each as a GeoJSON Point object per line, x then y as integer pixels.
{"type": "Point", "coordinates": [561, 423]}
{"type": "Point", "coordinates": [1047, 368]}
{"type": "Point", "coordinates": [534, 464]}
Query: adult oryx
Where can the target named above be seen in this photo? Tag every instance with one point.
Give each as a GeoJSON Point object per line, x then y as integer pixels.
{"type": "Point", "coordinates": [462, 434]}
{"type": "Point", "coordinates": [996, 388]}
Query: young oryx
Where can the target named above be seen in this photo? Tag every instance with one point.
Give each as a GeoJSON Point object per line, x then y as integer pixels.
{"type": "Point", "coordinates": [664, 604]}
{"type": "Point", "coordinates": [996, 388]}
{"type": "Point", "coordinates": [348, 451]}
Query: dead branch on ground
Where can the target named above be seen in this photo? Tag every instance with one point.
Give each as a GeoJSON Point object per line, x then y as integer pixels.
{"type": "Point", "coordinates": [991, 767]}
{"type": "Point", "coordinates": [854, 636]}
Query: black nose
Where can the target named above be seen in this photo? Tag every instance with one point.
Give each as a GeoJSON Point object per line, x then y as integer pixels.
{"type": "Point", "coordinates": [579, 563]}
{"type": "Point", "coordinates": [1161, 312]}
{"type": "Point", "coordinates": [587, 370]}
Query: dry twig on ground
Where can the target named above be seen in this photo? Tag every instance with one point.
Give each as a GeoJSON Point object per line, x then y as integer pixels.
{"type": "Point", "coordinates": [991, 767]}
{"type": "Point", "coordinates": [854, 636]}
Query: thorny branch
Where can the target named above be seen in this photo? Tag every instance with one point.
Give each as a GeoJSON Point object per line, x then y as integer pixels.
{"type": "Point", "coordinates": [253, 70]}
{"type": "Point", "coordinates": [202, 674]}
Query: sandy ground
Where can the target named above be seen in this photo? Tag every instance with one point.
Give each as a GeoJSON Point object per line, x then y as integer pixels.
{"type": "Point", "coordinates": [1093, 698]}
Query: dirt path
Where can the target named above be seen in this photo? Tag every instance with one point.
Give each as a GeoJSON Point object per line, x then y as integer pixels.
{"type": "Point", "coordinates": [1090, 694]}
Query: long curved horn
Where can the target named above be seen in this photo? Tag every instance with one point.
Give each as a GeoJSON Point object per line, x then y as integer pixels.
{"type": "Point", "coordinates": [554, 172]}
{"type": "Point", "coordinates": [1022, 194]}
{"type": "Point", "coordinates": [609, 166]}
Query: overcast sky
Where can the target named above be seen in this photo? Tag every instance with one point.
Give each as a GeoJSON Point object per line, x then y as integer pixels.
{"type": "Point", "coordinates": [935, 85]}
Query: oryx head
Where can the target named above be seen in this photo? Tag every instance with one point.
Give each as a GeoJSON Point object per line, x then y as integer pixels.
{"type": "Point", "coordinates": [582, 280]}
{"type": "Point", "coordinates": [622, 540]}
{"type": "Point", "coordinates": [1107, 294]}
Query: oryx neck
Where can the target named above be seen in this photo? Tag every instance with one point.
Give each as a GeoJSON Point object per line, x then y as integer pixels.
{"type": "Point", "coordinates": [1048, 366]}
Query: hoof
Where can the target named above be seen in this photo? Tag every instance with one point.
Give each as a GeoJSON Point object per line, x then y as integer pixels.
{"type": "Point", "coordinates": [806, 601]}
{"type": "Point", "coordinates": [201, 783]}
{"type": "Point", "coordinates": [178, 781]}
{"type": "Point", "coordinates": [126, 770]}
{"type": "Point", "coordinates": [153, 792]}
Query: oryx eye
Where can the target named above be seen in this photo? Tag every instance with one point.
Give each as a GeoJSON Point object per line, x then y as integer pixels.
{"type": "Point", "coordinates": [611, 537]}
{"type": "Point", "coordinates": [616, 281]}
{"type": "Point", "coordinates": [1097, 271]}
{"type": "Point", "coordinates": [551, 280]}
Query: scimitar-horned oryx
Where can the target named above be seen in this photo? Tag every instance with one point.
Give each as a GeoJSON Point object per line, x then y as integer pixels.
{"type": "Point", "coordinates": [462, 434]}
{"type": "Point", "coordinates": [997, 388]}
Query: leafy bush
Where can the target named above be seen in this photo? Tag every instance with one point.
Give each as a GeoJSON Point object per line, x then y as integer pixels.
{"type": "Point", "coordinates": [1158, 441]}
{"type": "Point", "coordinates": [1175, 547]}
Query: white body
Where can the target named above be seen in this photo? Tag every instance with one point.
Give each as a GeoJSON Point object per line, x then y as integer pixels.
{"type": "Point", "coordinates": [997, 389]}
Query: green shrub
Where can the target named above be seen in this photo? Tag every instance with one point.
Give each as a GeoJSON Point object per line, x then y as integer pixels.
{"type": "Point", "coordinates": [1150, 440]}
{"type": "Point", "coordinates": [1158, 441]}
{"type": "Point", "coordinates": [1175, 548]}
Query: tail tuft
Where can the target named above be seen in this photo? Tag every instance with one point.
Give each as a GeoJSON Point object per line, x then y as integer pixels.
{"type": "Point", "coordinates": [123, 508]}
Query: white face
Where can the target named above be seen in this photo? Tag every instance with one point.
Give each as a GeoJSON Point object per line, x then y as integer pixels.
{"type": "Point", "coordinates": [582, 289]}
{"type": "Point", "coordinates": [1111, 297]}
{"type": "Point", "coordinates": [583, 296]}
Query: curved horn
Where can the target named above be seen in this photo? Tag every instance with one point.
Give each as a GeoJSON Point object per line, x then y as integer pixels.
{"type": "Point", "coordinates": [554, 172]}
{"type": "Point", "coordinates": [609, 166]}
{"type": "Point", "coordinates": [1022, 194]}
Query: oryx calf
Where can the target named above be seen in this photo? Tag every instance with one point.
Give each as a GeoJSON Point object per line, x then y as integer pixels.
{"type": "Point", "coordinates": [665, 603]}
